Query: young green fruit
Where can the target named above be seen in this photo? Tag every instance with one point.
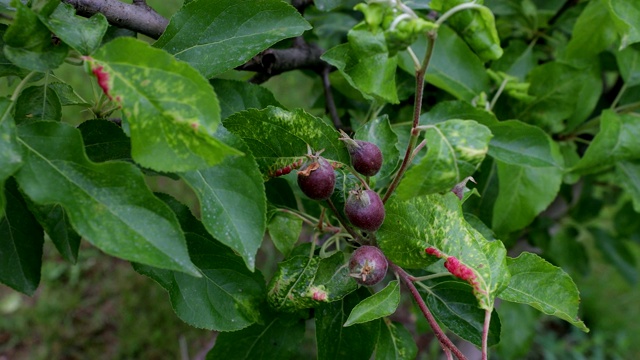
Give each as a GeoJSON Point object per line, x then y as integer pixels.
{"type": "Point", "coordinates": [317, 179]}
{"type": "Point", "coordinates": [368, 265]}
{"type": "Point", "coordinates": [365, 210]}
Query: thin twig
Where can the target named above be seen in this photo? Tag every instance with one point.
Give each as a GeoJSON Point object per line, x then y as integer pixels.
{"type": "Point", "coordinates": [330, 103]}
{"type": "Point", "coordinates": [485, 334]}
{"type": "Point", "coordinates": [440, 335]}
{"type": "Point", "coordinates": [344, 222]}
{"type": "Point", "coordinates": [417, 109]}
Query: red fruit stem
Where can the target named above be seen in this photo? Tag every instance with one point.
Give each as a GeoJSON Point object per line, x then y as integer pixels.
{"type": "Point", "coordinates": [417, 108]}
{"type": "Point", "coordinates": [485, 334]}
{"type": "Point", "coordinates": [445, 342]}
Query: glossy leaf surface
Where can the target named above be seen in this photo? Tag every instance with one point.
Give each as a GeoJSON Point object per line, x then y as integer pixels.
{"type": "Point", "coordinates": [436, 221]}
{"type": "Point", "coordinates": [108, 204]}
{"type": "Point", "coordinates": [381, 304]}
{"type": "Point", "coordinates": [454, 305]}
{"type": "Point", "coordinates": [232, 200]}
{"type": "Point", "coordinates": [214, 36]}
{"type": "Point", "coordinates": [277, 137]}
{"type": "Point", "coordinates": [455, 148]}
{"type": "Point", "coordinates": [545, 287]}
{"type": "Point", "coordinates": [337, 342]}
{"type": "Point", "coordinates": [171, 109]}
{"type": "Point", "coordinates": [226, 297]}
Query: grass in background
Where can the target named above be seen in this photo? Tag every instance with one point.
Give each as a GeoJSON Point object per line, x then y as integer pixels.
{"type": "Point", "coordinates": [98, 309]}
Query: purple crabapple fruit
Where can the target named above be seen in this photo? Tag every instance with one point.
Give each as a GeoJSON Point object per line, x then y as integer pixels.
{"type": "Point", "coordinates": [368, 265]}
{"type": "Point", "coordinates": [317, 179]}
{"type": "Point", "coordinates": [365, 210]}
{"type": "Point", "coordinates": [366, 157]}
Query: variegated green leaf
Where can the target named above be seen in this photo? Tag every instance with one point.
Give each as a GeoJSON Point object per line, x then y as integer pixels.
{"type": "Point", "coordinates": [171, 109]}
{"type": "Point", "coordinates": [455, 148]}
{"type": "Point", "coordinates": [302, 282]}
{"type": "Point", "coordinates": [277, 137]}
{"type": "Point", "coordinates": [420, 231]}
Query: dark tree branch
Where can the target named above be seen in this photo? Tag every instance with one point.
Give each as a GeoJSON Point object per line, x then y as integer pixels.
{"type": "Point", "coordinates": [301, 5]}
{"type": "Point", "coordinates": [138, 16]}
{"type": "Point", "coordinates": [276, 61]}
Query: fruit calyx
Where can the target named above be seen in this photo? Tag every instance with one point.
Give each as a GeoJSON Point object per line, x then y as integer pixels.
{"type": "Point", "coordinates": [316, 179]}
{"type": "Point", "coordinates": [365, 209]}
{"type": "Point", "coordinates": [368, 265]}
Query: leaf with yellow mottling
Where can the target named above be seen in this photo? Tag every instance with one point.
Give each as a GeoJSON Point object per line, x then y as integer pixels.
{"type": "Point", "coordinates": [171, 109]}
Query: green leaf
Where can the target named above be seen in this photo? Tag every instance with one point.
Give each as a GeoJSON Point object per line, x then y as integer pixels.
{"type": "Point", "coordinates": [455, 148]}
{"type": "Point", "coordinates": [629, 65]}
{"type": "Point", "coordinates": [555, 86]}
{"type": "Point", "coordinates": [453, 68]}
{"type": "Point", "coordinates": [278, 338]}
{"type": "Point", "coordinates": [232, 200]}
{"type": "Point", "coordinates": [543, 286]}
{"type": "Point", "coordinates": [303, 282]}
{"type": "Point", "coordinates": [476, 26]}
{"type": "Point", "coordinates": [381, 304]}
{"type": "Point", "coordinates": [278, 137]}
{"type": "Point", "coordinates": [628, 176]}
{"type": "Point", "coordinates": [395, 343]}
{"type": "Point", "coordinates": [517, 143]}
{"type": "Point", "coordinates": [366, 65]}
{"type": "Point", "coordinates": [104, 140]}
{"type": "Point", "coordinates": [446, 110]}
{"type": "Point", "coordinates": [617, 253]}
{"type": "Point", "coordinates": [454, 305]}
{"type": "Point", "coordinates": [337, 342]}
{"type": "Point", "coordinates": [518, 60]}
{"type": "Point", "coordinates": [214, 36]}
{"type": "Point", "coordinates": [588, 40]}
{"type": "Point", "coordinates": [518, 329]}
{"type": "Point", "coordinates": [38, 103]}
{"type": "Point", "coordinates": [55, 221]}
{"type": "Point", "coordinates": [83, 35]}
{"type": "Point", "coordinates": [524, 192]}
{"type": "Point", "coordinates": [616, 140]}
{"type": "Point", "coordinates": [21, 245]}
{"type": "Point", "coordinates": [226, 298]}
{"type": "Point", "coordinates": [236, 96]}
{"type": "Point", "coordinates": [6, 67]}
{"type": "Point", "coordinates": [28, 42]}
{"type": "Point", "coordinates": [284, 230]}
{"type": "Point", "coordinates": [171, 109]}
{"type": "Point", "coordinates": [67, 95]}
{"type": "Point", "coordinates": [587, 97]}
{"type": "Point", "coordinates": [108, 204]}
{"type": "Point", "coordinates": [379, 132]}
{"type": "Point", "coordinates": [625, 14]}
{"type": "Point", "coordinates": [11, 153]}
{"type": "Point", "coordinates": [436, 222]}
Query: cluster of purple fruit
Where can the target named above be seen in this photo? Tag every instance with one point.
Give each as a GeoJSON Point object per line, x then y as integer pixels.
{"type": "Point", "coordinates": [363, 208]}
